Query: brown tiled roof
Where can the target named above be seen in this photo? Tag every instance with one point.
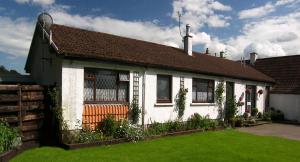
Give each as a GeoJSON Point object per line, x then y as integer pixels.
{"type": "Point", "coordinates": [84, 44]}
{"type": "Point", "coordinates": [285, 70]}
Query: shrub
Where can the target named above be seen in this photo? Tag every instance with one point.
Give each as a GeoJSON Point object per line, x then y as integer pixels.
{"type": "Point", "coordinates": [134, 111]}
{"type": "Point", "coordinates": [231, 109]}
{"type": "Point", "coordinates": [259, 115]}
{"type": "Point", "coordinates": [277, 115]}
{"type": "Point", "coordinates": [246, 115]}
{"type": "Point", "coordinates": [134, 133]}
{"type": "Point", "coordinates": [267, 116]}
{"type": "Point", "coordinates": [121, 129]}
{"type": "Point", "coordinates": [9, 137]}
{"type": "Point", "coordinates": [108, 126]}
{"type": "Point", "coordinates": [232, 122]}
{"type": "Point", "coordinates": [240, 121]}
{"type": "Point", "coordinates": [156, 128]}
{"type": "Point", "coordinates": [254, 111]}
{"type": "Point", "coordinates": [86, 136]}
{"type": "Point", "coordinates": [173, 126]}
{"type": "Point", "coordinates": [194, 121]}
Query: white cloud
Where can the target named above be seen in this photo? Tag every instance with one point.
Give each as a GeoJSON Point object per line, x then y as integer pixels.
{"type": "Point", "coordinates": [264, 10]}
{"type": "Point", "coordinates": [257, 12]}
{"type": "Point", "coordinates": [201, 12]}
{"type": "Point", "coordinates": [37, 2]}
{"type": "Point", "coordinates": [275, 36]}
{"type": "Point", "coordinates": [16, 35]}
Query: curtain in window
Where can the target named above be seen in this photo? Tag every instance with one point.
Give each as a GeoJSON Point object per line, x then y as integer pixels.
{"type": "Point", "coordinates": [105, 85]}
{"type": "Point", "coordinates": [203, 90]}
{"type": "Point", "coordinates": [163, 88]}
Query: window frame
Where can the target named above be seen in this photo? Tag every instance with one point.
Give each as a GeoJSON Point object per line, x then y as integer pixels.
{"type": "Point", "coordinates": [94, 79]}
{"type": "Point", "coordinates": [170, 89]}
{"type": "Point", "coordinates": [208, 82]}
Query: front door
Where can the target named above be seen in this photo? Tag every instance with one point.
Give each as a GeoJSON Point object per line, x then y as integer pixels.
{"type": "Point", "coordinates": [229, 92]}
{"type": "Point", "coordinates": [250, 98]}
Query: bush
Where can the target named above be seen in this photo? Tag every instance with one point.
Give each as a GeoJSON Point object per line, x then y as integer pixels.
{"type": "Point", "coordinates": [86, 136]}
{"type": "Point", "coordinates": [231, 109]}
{"type": "Point", "coordinates": [121, 129]}
{"type": "Point", "coordinates": [9, 137]}
{"type": "Point", "coordinates": [254, 111]}
{"type": "Point", "coordinates": [128, 131]}
{"type": "Point", "coordinates": [156, 128]}
{"type": "Point", "coordinates": [108, 126]}
{"type": "Point", "coordinates": [173, 126]}
{"type": "Point", "coordinates": [277, 115]}
{"type": "Point", "coordinates": [194, 121]}
{"type": "Point", "coordinates": [267, 116]}
{"type": "Point", "coordinates": [135, 133]}
{"type": "Point", "coordinates": [246, 115]}
{"type": "Point", "coordinates": [232, 122]}
{"type": "Point", "coordinates": [259, 115]}
{"type": "Point", "coordinates": [240, 121]}
{"type": "Point", "coordinates": [134, 111]}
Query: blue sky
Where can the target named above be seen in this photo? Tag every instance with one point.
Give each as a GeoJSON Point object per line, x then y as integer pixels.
{"type": "Point", "coordinates": [271, 28]}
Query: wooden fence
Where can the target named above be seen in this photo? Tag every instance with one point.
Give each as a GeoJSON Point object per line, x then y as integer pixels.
{"type": "Point", "coordinates": [23, 106]}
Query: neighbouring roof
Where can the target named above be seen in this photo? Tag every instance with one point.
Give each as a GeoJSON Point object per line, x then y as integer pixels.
{"type": "Point", "coordinates": [83, 44]}
{"type": "Point", "coordinates": [285, 70]}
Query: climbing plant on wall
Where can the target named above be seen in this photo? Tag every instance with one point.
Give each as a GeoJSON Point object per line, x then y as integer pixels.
{"type": "Point", "coordinates": [180, 102]}
{"type": "Point", "coordinates": [219, 93]}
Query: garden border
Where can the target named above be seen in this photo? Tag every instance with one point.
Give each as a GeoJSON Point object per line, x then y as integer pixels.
{"type": "Point", "coordinates": [6, 156]}
{"type": "Point", "coordinates": [124, 140]}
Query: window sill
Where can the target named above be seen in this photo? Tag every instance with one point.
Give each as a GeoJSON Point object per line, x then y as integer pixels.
{"type": "Point", "coordinates": [203, 104]}
{"type": "Point", "coordinates": [163, 104]}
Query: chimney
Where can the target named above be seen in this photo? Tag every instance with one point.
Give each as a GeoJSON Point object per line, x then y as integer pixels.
{"type": "Point", "coordinates": [253, 57]}
{"type": "Point", "coordinates": [207, 51]}
{"type": "Point", "coordinates": [188, 41]}
{"type": "Point", "coordinates": [221, 54]}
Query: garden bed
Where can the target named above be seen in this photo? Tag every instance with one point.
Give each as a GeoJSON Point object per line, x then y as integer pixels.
{"type": "Point", "coordinates": [124, 140]}
{"type": "Point", "coordinates": [6, 156]}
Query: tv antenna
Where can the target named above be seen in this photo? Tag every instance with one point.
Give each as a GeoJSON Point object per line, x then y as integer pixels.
{"type": "Point", "coordinates": [179, 23]}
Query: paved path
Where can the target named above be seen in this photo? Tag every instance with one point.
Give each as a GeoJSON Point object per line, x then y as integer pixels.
{"type": "Point", "coordinates": [281, 130]}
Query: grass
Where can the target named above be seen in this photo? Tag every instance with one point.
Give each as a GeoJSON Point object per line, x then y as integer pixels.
{"type": "Point", "coordinates": [228, 145]}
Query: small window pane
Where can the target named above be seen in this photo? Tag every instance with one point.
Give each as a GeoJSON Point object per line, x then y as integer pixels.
{"type": "Point", "coordinates": [89, 90]}
{"type": "Point", "coordinates": [163, 88]}
{"type": "Point", "coordinates": [123, 88]}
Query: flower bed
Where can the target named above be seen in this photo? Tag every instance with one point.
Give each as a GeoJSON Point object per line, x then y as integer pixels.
{"type": "Point", "coordinates": [124, 140]}
{"type": "Point", "coordinates": [113, 132]}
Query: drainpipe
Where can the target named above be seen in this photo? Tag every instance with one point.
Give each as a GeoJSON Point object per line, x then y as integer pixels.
{"type": "Point", "coordinates": [143, 98]}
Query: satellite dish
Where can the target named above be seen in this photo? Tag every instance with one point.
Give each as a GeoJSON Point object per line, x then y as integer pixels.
{"type": "Point", "coordinates": [45, 20]}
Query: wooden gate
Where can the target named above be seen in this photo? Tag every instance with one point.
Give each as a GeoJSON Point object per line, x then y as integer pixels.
{"type": "Point", "coordinates": [22, 106]}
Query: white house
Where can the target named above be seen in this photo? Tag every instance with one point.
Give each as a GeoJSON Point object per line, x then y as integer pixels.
{"type": "Point", "coordinates": [285, 93]}
{"type": "Point", "coordinates": [99, 74]}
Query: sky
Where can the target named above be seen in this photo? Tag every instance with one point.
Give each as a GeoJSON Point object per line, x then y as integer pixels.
{"type": "Point", "coordinates": [238, 27]}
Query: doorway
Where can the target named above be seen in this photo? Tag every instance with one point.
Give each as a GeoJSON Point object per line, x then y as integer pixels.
{"type": "Point", "coordinates": [229, 92]}
{"type": "Point", "coordinates": [250, 98]}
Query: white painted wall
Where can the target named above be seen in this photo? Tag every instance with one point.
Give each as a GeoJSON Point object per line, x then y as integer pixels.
{"type": "Point", "coordinates": [289, 104]}
{"type": "Point", "coordinates": [73, 86]}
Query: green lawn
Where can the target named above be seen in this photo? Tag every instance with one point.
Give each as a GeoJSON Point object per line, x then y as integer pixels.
{"type": "Point", "coordinates": [226, 145]}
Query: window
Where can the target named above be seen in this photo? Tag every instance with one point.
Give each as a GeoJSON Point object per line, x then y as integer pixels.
{"type": "Point", "coordinates": [164, 89]}
{"type": "Point", "coordinates": [203, 91]}
{"type": "Point", "coordinates": [106, 86]}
